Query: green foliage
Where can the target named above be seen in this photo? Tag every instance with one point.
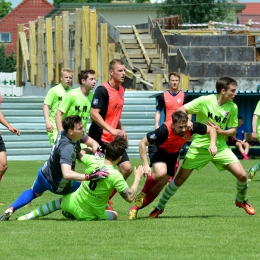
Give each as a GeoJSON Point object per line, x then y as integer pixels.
{"type": "Point", "coordinates": [5, 8]}
{"type": "Point", "coordinates": [57, 2]}
{"type": "Point", "coordinates": [197, 11]}
{"type": "Point", "coordinates": [200, 222]}
{"type": "Point", "coordinates": [7, 63]}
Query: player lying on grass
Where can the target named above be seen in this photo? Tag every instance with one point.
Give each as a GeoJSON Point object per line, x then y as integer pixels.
{"type": "Point", "coordinates": [220, 112]}
{"type": "Point", "coordinates": [57, 174]}
{"type": "Point", "coordinates": [90, 200]}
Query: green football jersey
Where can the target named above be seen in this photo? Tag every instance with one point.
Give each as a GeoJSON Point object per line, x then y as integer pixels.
{"type": "Point", "coordinates": [53, 99]}
{"type": "Point", "coordinates": [77, 104]}
{"type": "Point", "coordinates": [207, 109]}
{"type": "Point", "coordinates": [257, 112]}
{"type": "Point", "coordinates": [96, 193]}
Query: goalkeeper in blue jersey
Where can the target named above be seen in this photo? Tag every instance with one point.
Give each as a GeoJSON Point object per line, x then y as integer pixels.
{"type": "Point", "coordinates": [90, 200]}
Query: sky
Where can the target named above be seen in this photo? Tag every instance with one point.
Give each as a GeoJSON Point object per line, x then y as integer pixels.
{"type": "Point", "coordinates": [17, 2]}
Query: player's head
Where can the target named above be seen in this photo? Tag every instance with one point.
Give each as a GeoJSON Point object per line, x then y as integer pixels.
{"type": "Point", "coordinates": [86, 78]}
{"type": "Point", "coordinates": [66, 77]}
{"type": "Point", "coordinates": [225, 83]}
{"type": "Point", "coordinates": [116, 148]}
{"type": "Point", "coordinates": [240, 120]}
{"type": "Point", "coordinates": [179, 122]}
{"type": "Point", "coordinates": [73, 127]}
{"type": "Point", "coordinates": [117, 70]}
{"type": "Point", "coordinates": [174, 81]}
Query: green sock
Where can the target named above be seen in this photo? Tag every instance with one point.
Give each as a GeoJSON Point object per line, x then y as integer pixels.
{"type": "Point", "coordinates": [168, 192]}
{"type": "Point", "coordinates": [241, 191]}
{"type": "Point", "coordinates": [44, 209]}
{"type": "Point", "coordinates": [256, 167]}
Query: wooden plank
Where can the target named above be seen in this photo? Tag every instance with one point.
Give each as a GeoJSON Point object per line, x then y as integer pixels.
{"type": "Point", "coordinates": [93, 41]}
{"type": "Point", "coordinates": [19, 58]}
{"type": "Point", "coordinates": [77, 49]}
{"type": "Point", "coordinates": [111, 50]}
{"type": "Point", "coordinates": [184, 82]}
{"type": "Point", "coordinates": [65, 38]}
{"type": "Point", "coordinates": [25, 53]}
{"type": "Point", "coordinates": [32, 42]}
{"type": "Point", "coordinates": [85, 38]}
{"type": "Point", "coordinates": [125, 53]}
{"type": "Point", "coordinates": [158, 82]}
{"type": "Point", "coordinates": [58, 48]}
{"type": "Point", "coordinates": [40, 49]}
{"type": "Point", "coordinates": [49, 50]}
{"type": "Point", "coordinates": [104, 51]}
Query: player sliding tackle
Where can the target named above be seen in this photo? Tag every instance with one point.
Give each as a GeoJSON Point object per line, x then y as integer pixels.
{"type": "Point", "coordinates": [221, 113]}
{"type": "Point", "coordinates": [90, 200]}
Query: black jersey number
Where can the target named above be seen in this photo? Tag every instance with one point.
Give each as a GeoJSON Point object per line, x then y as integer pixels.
{"type": "Point", "coordinates": [92, 185]}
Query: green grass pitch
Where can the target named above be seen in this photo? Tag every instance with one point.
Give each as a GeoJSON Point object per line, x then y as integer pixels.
{"type": "Point", "coordinates": [200, 222]}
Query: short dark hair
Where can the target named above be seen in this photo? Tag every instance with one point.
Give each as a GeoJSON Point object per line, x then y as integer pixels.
{"type": "Point", "coordinates": [114, 62]}
{"type": "Point", "coordinates": [116, 148]}
{"type": "Point", "coordinates": [176, 74]}
{"type": "Point", "coordinates": [179, 116]}
{"type": "Point", "coordinates": [69, 122]}
{"type": "Point", "coordinates": [224, 83]}
{"type": "Point", "coordinates": [84, 75]}
{"type": "Point", "coordinates": [240, 117]}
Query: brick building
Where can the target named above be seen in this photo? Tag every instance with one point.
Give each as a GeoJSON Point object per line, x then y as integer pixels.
{"type": "Point", "coordinates": [26, 11]}
{"type": "Point", "coordinates": [251, 12]}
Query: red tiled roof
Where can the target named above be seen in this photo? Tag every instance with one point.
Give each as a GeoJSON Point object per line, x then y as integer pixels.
{"type": "Point", "coordinates": [252, 8]}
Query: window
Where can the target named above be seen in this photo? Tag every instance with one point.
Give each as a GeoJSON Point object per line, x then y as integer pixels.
{"type": "Point", "coordinates": [5, 37]}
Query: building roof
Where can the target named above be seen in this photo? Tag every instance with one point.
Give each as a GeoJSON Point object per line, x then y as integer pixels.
{"type": "Point", "coordinates": [252, 8]}
{"type": "Point", "coordinates": [101, 7]}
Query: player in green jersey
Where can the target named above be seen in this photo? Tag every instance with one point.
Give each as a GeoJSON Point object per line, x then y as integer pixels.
{"type": "Point", "coordinates": [78, 102]}
{"type": "Point", "coordinates": [52, 101]}
{"type": "Point", "coordinates": [220, 112]}
{"type": "Point", "coordinates": [90, 200]}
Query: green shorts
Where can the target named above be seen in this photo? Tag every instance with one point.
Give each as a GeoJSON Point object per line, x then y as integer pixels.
{"type": "Point", "coordinates": [70, 205]}
{"type": "Point", "coordinates": [197, 158]}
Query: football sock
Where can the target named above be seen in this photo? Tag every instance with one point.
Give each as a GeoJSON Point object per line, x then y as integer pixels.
{"type": "Point", "coordinates": [112, 194]}
{"type": "Point", "coordinates": [44, 209]}
{"type": "Point", "coordinates": [149, 184]}
{"type": "Point", "coordinates": [241, 191]}
{"type": "Point", "coordinates": [168, 192]}
{"type": "Point", "coordinates": [256, 167]}
{"type": "Point", "coordinates": [24, 198]}
{"type": "Point", "coordinates": [149, 198]}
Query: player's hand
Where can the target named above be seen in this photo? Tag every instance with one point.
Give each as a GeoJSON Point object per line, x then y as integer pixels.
{"type": "Point", "coordinates": [116, 132]}
{"type": "Point", "coordinates": [254, 135]}
{"type": "Point", "coordinates": [217, 127]}
{"type": "Point", "coordinates": [213, 150]}
{"type": "Point", "coordinates": [98, 154]}
{"type": "Point", "coordinates": [139, 171]}
{"type": "Point", "coordinates": [99, 173]}
{"type": "Point", "coordinates": [147, 170]}
{"type": "Point", "coordinates": [190, 125]}
{"type": "Point", "coordinates": [49, 127]}
{"type": "Point", "coordinates": [14, 130]}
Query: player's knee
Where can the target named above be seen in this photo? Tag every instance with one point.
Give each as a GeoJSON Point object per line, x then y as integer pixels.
{"type": "Point", "coordinates": [3, 167]}
{"type": "Point", "coordinates": [126, 171]}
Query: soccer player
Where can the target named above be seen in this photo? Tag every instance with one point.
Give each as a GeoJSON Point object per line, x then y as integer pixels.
{"type": "Point", "coordinates": [57, 174]}
{"type": "Point", "coordinates": [240, 139]}
{"type": "Point", "coordinates": [106, 110]}
{"type": "Point", "coordinates": [167, 140]}
{"type": "Point", "coordinates": [220, 112]}
{"type": "Point", "coordinates": [52, 101]}
{"type": "Point", "coordinates": [3, 157]}
{"type": "Point", "coordinates": [90, 200]}
{"type": "Point", "coordinates": [256, 135]}
{"type": "Point", "coordinates": [169, 102]}
{"type": "Point", "coordinates": [78, 102]}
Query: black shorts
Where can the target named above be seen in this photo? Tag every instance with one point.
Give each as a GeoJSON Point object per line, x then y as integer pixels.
{"type": "Point", "coordinates": [157, 154]}
{"type": "Point", "coordinates": [103, 145]}
{"type": "Point", "coordinates": [2, 145]}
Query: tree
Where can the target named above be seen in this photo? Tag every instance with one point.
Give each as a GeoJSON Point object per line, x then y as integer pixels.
{"type": "Point", "coordinates": [5, 8]}
{"type": "Point", "coordinates": [197, 11]}
{"type": "Point", "coordinates": [7, 62]}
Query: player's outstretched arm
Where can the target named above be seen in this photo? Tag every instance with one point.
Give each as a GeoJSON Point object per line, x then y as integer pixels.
{"type": "Point", "coordinates": [4, 122]}
{"type": "Point", "coordinates": [129, 193]}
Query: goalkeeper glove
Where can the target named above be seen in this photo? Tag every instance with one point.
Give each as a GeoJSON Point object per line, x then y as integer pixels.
{"type": "Point", "coordinates": [99, 173]}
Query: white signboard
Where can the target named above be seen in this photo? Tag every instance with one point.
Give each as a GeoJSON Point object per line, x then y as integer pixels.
{"type": "Point", "coordinates": [8, 85]}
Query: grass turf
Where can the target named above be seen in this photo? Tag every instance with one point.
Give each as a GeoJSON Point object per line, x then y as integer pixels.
{"type": "Point", "coordinates": [200, 222]}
